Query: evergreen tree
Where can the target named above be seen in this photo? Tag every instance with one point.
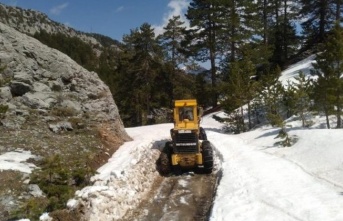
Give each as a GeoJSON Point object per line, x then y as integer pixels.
{"type": "Point", "coordinates": [239, 25]}
{"type": "Point", "coordinates": [171, 42]}
{"type": "Point", "coordinates": [329, 69]}
{"type": "Point", "coordinates": [240, 88]}
{"type": "Point", "coordinates": [202, 40]}
{"type": "Point", "coordinates": [320, 17]}
{"type": "Point", "coordinates": [202, 89]}
{"type": "Point", "coordinates": [139, 68]}
{"type": "Point", "coordinates": [283, 35]}
{"type": "Point", "coordinates": [271, 97]}
{"type": "Point", "coordinates": [297, 97]}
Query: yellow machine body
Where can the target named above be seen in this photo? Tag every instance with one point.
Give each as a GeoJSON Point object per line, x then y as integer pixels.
{"type": "Point", "coordinates": [186, 134]}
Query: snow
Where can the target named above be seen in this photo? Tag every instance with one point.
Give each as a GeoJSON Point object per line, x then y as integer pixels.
{"type": "Point", "coordinates": [259, 179]}
{"type": "Point", "coordinates": [291, 72]}
{"type": "Point", "coordinates": [264, 182]}
{"type": "Point", "coordinates": [16, 160]}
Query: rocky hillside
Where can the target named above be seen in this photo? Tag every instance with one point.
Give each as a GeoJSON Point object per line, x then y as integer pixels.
{"type": "Point", "coordinates": [31, 22]}
{"type": "Point", "coordinates": [61, 113]}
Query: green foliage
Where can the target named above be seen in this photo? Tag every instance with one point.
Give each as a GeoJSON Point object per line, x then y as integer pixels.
{"type": "Point", "coordinates": [141, 69]}
{"type": "Point", "coordinates": [318, 18]}
{"type": "Point", "coordinates": [297, 97]}
{"type": "Point", "coordinates": [32, 209]}
{"type": "Point", "coordinates": [328, 88]}
{"type": "Point", "coordinates": [202, 40]}
{"type": "Point", "coordinates": [202, 90]}
{"type": "Point", "coordinates": [271, 97]}
{"type": "Point", "coordinates": [170, 41]}
{"type": "Point", "coordinates": [74, 47]}
{"type": "Point", "coordinates": [286, 141]}
{"type": "Point", "coordinates": [236, 122]}
{"type": "Point", "coordinates": [58, 181]}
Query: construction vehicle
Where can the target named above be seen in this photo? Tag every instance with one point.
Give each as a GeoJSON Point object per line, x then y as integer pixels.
{"type": "Point", "coordinates": [189, 148]}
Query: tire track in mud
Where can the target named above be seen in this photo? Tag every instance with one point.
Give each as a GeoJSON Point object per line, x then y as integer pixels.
{"type": "Point", "coordinates": [186, 197]}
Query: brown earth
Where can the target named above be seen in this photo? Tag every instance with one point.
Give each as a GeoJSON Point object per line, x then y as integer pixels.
{"type": "Point", "coordinates": [187, 197]}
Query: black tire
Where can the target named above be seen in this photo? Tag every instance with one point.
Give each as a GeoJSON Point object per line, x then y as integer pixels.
{"type": "Point", "coordinates": [202, 134]}
{"type": "Point", "coordinates": [165, 166]}
{"type": "Point", "coordinates": [207, 157]}
{"type": "Point", "coordinates": [165, 160]}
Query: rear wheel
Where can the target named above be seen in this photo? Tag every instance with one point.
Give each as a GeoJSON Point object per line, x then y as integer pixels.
{"type": "Point", "coordinates": [207, 157]}
{"type": "Point", "coordinates": [165, 162]}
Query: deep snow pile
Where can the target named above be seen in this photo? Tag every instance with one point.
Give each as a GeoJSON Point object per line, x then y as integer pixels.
{"type": "Point", "coordinates": [126, 178]}
{"type": "Point", "coordinates": [262, 181]}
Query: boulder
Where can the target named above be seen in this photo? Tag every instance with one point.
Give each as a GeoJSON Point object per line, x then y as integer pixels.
{"type": "Point", "coordinates": [19, 88]}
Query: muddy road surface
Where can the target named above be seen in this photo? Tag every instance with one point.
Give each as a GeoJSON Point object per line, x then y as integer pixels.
{"type": "Point", "coordinates": [185, 197]}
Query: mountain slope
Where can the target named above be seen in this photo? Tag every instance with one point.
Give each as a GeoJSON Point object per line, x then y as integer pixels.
{"type": "Point", "coordinates": [53, 111]}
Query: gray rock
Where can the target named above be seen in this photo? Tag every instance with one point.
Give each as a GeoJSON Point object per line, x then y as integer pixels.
{"type": "Point", "coordinates": [5, 93]}
{"type": "Point", "coordinates": [23, 77]}
{"type": "Point", "coordinates": [74, 105]}
{"type": "Point", "coordinates": [22, 113]}
{"type": "Point", "coordinates": [61, 126]}
{"type": "Point", "coordinates": [55, 85]}
{"type": "Point", "coordinates": [19, 88]}
{"type": "Point", "coordinates": [34, 102]}
{"type": "Point", "coordinates": [40, 87]}
{"type": "Point", "coordinates": [40, 74]}
{"type": "Point", "coordinates": [35, 191]}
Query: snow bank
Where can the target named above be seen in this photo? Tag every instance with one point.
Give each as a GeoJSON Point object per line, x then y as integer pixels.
{"type": "Point", "coordinates": [126, 178]}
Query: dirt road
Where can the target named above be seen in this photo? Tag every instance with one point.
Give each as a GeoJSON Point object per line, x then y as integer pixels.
{"type": "Point", "coordinates": [186, 197]}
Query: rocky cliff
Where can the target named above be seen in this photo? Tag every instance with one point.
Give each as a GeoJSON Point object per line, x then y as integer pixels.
{"type": "Point", "coordinates": [31, 21]}
{"type": "Point", "coordinates": [50, 106]}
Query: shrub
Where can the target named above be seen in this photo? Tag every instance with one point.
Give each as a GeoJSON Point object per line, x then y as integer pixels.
{"type": "Point", "coordinates": [63, 111]}
{"type": "Point", "coordinates": [59, 181]}
{"type": "Point", "coordinates": [32, 209]}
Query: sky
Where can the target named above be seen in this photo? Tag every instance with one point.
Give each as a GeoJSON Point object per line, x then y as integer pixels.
{"type": "Point", "coordinates": [112, 18]}
{"type": "Point", "coordinates": [259, 179]}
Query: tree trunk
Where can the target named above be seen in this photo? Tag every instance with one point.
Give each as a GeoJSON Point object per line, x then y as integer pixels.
{"type": "Point", "coordinates": [322, 21]}
{"type": "Point", "coordinates": [285, 37]}
{"type": "Point", "coordinates": [249, 115]}
{"type": "Point", "coordinates": [327, 116]}
{"type": "Point", "coordinates": [265, 23]}
{"type": "Point", "coordinates": [339, 107]}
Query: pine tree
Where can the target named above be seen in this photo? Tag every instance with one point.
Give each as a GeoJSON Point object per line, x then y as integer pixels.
{"type": "Point", "coordinates": [271, 97]}
{"type": "Point", "coordinates": [320, 17]}
{"type": "Point", "coordinates": [240, 88]}
{"type": "Point", "coordinates": [202, 39]}
{"type": "Point", "coordinates": [329, 69]}
{"type": "Point", "coordinates": [303, 89]}
{"type": "Point", "coordinates": [139, 68]}
{"type": "Point", "coordinates": [282, 34]}
{"type": "Point", "coordinates": [297, 97]}
{"type": "Point", "coordinates": [171, 42]}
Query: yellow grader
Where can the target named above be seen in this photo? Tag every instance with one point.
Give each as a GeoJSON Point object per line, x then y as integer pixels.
{"type": "Point", "coordinates": [189, 148]}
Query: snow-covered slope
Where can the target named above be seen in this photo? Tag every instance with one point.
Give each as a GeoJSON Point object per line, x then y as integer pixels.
{"type": "Point", "coordinates": [264, 182]}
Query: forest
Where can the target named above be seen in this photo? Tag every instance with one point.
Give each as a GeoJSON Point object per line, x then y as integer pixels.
{"type": "Point", "coordinates": [246, 45]}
